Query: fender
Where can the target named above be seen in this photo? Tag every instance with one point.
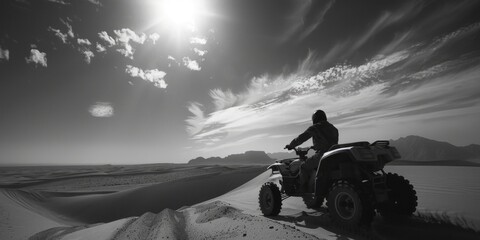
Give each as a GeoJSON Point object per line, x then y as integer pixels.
{"type": "Point", "coordinates": [344, 154]}
{"type": "Point", "coordinates": [274, 166]}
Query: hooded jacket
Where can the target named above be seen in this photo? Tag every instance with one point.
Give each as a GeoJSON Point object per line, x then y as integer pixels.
{"type": "Point", "coordinates": [324, 135]}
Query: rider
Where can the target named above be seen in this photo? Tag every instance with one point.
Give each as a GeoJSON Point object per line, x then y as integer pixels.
{"type": "Point", "coordinates": [324, 135]}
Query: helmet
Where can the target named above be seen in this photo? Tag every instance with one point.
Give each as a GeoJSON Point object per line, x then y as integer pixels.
{"type": "Point", "coordinates": [318, 116]}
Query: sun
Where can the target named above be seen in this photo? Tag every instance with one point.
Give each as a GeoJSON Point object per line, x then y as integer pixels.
{"type": "Point", "coordinates": [181, 13]}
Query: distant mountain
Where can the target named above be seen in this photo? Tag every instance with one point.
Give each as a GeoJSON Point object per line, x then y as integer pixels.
{"type": "Point", "coordinates": [415, 148]}
{"type": "Point", "coordinates": [247, 158]}
{"type": "Point", "coordinates": [282, 155]}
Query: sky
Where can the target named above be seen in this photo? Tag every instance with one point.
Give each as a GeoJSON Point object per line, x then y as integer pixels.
{"type": "Point", "coordinates": [147, 81]}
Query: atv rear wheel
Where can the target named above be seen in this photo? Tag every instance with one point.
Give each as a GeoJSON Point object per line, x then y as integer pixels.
{"type": "Point", "coordinates": [402, 198]}
{"type": "Point", "coordinates": [348, 205]}
{"type": "Point", "coordinates": [270, 199]}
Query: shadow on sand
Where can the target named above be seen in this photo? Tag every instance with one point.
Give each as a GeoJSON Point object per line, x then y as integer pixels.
{"type": "Point", "coordinates": [421, 226]}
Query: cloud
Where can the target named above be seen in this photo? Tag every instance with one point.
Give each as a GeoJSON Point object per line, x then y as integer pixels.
{"type": "Point", "coordinates": [37, 57]}
{"type": "Point", "coordinates": [429, 51]}
{"type": "Point", "coordinates": [124, 36]}
{"type": "Point", "coordinates": [84, 49]}
{"type": "Point", "coordinates": [200, 52]}
{"type": "Point", "coordinates": [100, 48]}
{"type": "Point", "coordinates": [154, 37]}
{"type": "Point", "coordinates": [127, 51]}
{"type": "Point", "coordinates": [198, 40]}
{"type": "Point", "coordinates": [439, 18]}
{"type": "Point", "coordinates": [4, 54]}
{"type": "Point", "coordinates": [109, 40]}
{"type": "Point", "coordinates": [88, 55]}
{"type": "Point", "coordinates": [172, 59]}
{"type": "Point", "coordinates": [59, 34]}
{"type": "Point", "coordinates": [101, 110]}
{"type": "Point", "coordinates": [154, 76]}
{"type": "Point", "coordinates": [61, 2]}
{"type": "Point", "coordinates": [456, 35]}
{"type": "Point", "coordinates": [95, 2]}
{"type": "Point", "coordinates": [69, 27]}
{"type": "Point", "coordinates": [377, 97]}
{"type": "Point", "coordinates": [191, 64]}
{"type": "Point", "coordinates": [84, 42]}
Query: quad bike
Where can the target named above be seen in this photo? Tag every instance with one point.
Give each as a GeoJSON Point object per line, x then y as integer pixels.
{"type": "Point", "coordinates": [350, 177]}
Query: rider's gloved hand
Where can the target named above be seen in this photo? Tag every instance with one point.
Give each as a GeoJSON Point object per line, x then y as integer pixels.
{"type": "Point", "coordinates": [288, 147]}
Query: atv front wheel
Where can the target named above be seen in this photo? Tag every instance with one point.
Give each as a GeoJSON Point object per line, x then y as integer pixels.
{"type": "Point", "coordinates": [348, 205]}
{"type": "Point", "coordinates": [402, 198]}
{"type": "Point", "coordinates": [270, 199]}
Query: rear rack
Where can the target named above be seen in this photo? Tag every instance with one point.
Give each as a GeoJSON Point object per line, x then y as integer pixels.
{"type": "Point", "coordinates": [354, 144]}
{"type": "Point", "coordinates": [381, 143]}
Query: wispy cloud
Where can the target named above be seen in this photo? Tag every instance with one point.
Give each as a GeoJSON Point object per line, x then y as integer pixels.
{"type": "Point", "coordinates": [154, 76]}
{"type": "Point", "coordinates": [191, 64]}
{"type": "Point", "coordinates": [297, 27]}
{"type": "Point", "coordinates": [344, 49]}
{"type": "Point", "coordinates": [318, 19]}
{"type": "Point", "coordinates": [196, 122]}
{"type": "Point", "coordinates": [4, 54]}
{"type": "Point", "coordinates": [37, 57]}
{"type": "Point", "coordinates": [101, 110]}
{"type": "Point", "coordinates": [385, 89]}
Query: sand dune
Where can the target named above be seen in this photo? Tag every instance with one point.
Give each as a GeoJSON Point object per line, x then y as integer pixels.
{"type": "Point", "coordinates": [208, 207]}
{"type": "Point", "coordinates": [20, 222]}
{"type": "Point", "coordinates": [88, 208]}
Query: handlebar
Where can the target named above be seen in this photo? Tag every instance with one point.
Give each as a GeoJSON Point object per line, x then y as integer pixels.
{"type": "Point", "coordinates": [301, 152]}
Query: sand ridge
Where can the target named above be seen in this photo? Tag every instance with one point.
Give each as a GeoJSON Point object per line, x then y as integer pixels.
{"type": "Point", "coordinates": [216, 220]}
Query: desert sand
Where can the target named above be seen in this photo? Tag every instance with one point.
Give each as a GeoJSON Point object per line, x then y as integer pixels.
{"type": "Point", "coordinates": [175, 202]}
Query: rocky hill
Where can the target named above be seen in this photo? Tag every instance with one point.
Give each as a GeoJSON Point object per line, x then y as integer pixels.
{"type": "Point", "coordinates": [247, 158]}
{"type": "Point", "coordinates": [415, 148]}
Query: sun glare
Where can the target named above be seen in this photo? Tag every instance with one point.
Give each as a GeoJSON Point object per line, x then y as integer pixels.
{"type": "Point", "coordinates": [181, 13]}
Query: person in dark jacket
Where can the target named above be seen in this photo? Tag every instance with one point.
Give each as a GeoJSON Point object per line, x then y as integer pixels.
{"type": "Point", "coordinates": [324, 135]}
